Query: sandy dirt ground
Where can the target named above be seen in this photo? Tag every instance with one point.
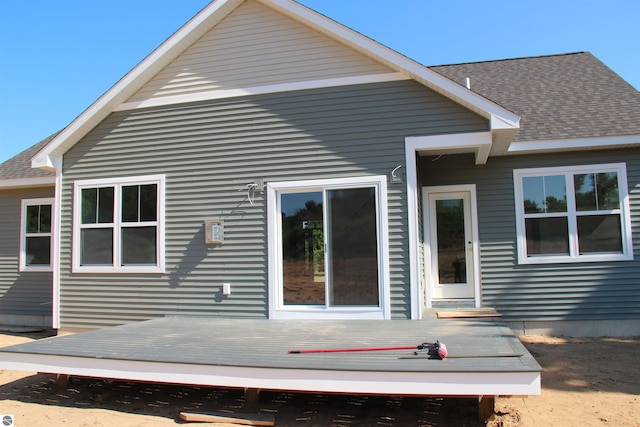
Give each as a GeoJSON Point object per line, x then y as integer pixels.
{"type": "Point", "coordinates": [586, 382]}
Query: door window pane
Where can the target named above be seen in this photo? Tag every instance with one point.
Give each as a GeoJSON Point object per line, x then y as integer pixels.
{"type": "Point", "coordinates": [96, 246]}
{"type": "Point", "coordinates": [544, 194]}
{"type": "Point", "coordinates": [353, 247]}
{"type": "Point", "coordinates": [138, 245]}
{"type": "Point", "coordinates": [547, 236]}
{"type": "Point", "coordinates": [451, 241]}
{"type": "Point", "coordinates": [303, 268]}
{"type": "Point", "coordinates": [599, 234]}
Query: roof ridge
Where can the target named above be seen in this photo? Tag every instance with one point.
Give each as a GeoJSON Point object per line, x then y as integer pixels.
{"type": "Point", "coordinates": [510, 59]}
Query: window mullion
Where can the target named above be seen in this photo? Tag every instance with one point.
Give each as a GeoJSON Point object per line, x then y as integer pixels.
{"type": "Point", "coordinates": [328, 271]}
{"type": "Point", "coordinates": [139, 216]}
{"type": "Point", "coordinates": [572, 220]}
{"type": "Point", "coordinates": [117, 224]}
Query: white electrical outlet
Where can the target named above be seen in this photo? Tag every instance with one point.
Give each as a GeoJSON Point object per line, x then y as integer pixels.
{"type": "Point", "coordinates": [226, 289]}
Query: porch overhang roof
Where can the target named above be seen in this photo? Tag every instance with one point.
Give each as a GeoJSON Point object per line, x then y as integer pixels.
{"type": "Point", "coordinates": [502, 121]}
{"type": "Point", "coordinates": [478, 143]}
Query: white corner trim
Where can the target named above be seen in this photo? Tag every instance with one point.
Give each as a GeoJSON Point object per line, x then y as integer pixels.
{"type": "Point", "coordinates": [573, 144]}
{"type": "Point", "coordinates": [261, 90]}
{"type": "Point", "coordinates": [413, 224]}
{"type": "Point", "coordinates": [57, 227]}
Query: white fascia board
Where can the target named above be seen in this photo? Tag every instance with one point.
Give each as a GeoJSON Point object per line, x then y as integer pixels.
{"type": "Point", "coordinates": [28, 182]}
{"type": "Point", "coordinates": [523, 383]}
{"type": "Point", "coordinates": [396, 61]}
{"type": "Point", "coordinates": [552, 145]}
{"type": "Point", "coordinates": [454, 140]}
{"type": "Point", "coordinates": [133, 81]}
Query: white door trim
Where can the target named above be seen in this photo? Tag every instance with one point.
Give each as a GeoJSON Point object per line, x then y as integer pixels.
{"type": "Point", "coordinates": [427, 282]}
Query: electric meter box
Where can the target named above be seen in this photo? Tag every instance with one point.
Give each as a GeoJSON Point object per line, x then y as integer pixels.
{"type": "Point", "coordinates": [213, 232]}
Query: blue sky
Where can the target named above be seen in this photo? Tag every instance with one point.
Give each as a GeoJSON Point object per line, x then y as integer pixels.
{"type": "Point", "coordinates": [58, 57]}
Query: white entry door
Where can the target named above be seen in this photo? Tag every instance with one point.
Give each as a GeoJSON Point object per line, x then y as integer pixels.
{"type": "Point", "coordinates": [451, 244]}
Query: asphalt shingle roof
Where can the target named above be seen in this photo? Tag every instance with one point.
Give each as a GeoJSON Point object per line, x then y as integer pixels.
{"type": "Point", "coordinates": [558, 96]}
{"type": "Point", "coordinates": [19, 166]}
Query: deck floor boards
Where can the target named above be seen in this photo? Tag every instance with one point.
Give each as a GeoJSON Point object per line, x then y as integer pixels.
{"type": "Point", "coordinates": [263, 345]}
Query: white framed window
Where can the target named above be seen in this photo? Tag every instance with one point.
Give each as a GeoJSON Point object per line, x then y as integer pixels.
{"type": "Point", "coordinates": [118, 225]}
{"type": "Point", "coordinates": [36, 242]}
{"type": "Point", "coordinates": [573, 214]}
{"type": "Point", "coordinates": [328, 253]}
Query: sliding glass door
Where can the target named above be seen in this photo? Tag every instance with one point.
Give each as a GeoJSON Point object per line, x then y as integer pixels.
{"type": "Point", "coordinates": [330, 251]}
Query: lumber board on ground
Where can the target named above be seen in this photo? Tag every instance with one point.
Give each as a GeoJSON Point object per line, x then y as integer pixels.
{"type": "Point", "coordinates": [467, 313]}
{"type": "Point", "coordinates": [256, 419]}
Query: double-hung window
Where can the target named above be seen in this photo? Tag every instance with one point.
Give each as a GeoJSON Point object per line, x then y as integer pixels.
{"type": "Point", "coordinates": [573, 214]}
{"type": "Point", "coordinates": [36, 237]}
{"type": "Point", "coordinates": [119, 225]}
{"type": "Point", "coordinates": [328, 251]}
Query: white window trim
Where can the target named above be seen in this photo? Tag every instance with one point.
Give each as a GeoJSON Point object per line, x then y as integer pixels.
{"type": "Point", "coordinates": [119, 182]}
{"type": "Point", "coordinates": [277, 309]}
{"type": "Point", "coordinates": [23, 234]}
{"type": "Point", "coordinates": [627, 246]}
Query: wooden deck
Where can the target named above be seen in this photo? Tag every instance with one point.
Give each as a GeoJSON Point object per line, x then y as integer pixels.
{"type": "Point", "coordinates": [485, 358]}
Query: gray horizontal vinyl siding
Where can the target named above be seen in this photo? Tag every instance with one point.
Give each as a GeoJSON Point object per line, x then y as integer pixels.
{"type": "Point", "coordinates": [209, 152]}
{"type": "Point", "coordinates": [574, 291]}
{"type": "Point", "coordinates": [24, 296]}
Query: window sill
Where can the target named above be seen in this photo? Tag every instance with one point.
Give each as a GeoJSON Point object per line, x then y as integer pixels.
{"type": "Point", "coordinates": [575, 259]}
{"type": "Point", "coordinates": [38, 269]}
{"type": "Point", "coordinates": [368, 313]}
{"type": "Point", "coordinates": [119, 270]}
